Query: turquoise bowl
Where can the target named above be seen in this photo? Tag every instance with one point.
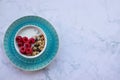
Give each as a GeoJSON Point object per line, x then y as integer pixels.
{"type": "Point", "coordinates": [39, 62]}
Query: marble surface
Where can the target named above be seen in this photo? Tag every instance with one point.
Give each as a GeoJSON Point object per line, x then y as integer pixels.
{"type": "Point", "coordinates": [89, 38]}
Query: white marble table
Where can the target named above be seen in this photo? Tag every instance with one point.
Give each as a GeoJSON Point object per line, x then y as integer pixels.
{"type": "Point", "coordinates": [89, 33]}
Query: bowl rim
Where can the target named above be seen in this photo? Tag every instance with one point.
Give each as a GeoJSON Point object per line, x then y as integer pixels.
{"type": "Point", "coordinates": [32, 69]}
{"type": "Point", "coordinates": [42, 33]}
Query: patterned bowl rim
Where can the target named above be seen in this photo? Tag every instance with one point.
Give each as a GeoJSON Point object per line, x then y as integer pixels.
{"type": "Point", "coordinates": [43, 65]}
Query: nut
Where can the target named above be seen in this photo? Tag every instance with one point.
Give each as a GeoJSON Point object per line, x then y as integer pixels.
{"type": "Point", "coordinates": [35, 53]}
{"type": "Point", "coordinates": [43, 41]}
{"type": "Point", "coordinates": [34, 48]}
{"type": "Point", "coordinates": [42, 37]}
{"type": "Point", "coordinates": [41, 48]}
{"type": "Point", "coordinates": [38, 49]}
{"type": "Point", "coordinates": [42, 44]}
{"type": "Point", "coordinates": [36, 44]}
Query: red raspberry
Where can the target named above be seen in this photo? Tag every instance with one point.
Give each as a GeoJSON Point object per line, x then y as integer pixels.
{"type": "Point", "coordinates": [22, 50]}
{"type": "Point", "coordinates": [20, 44]}
{"type": "Point", "coordinates": [31, 40]}
{"type": "Point", "coordinates": [25, 39]}
{"type": "Point", "coordinates": [27, 45]}
{"type": "Point", "coordinates": [19, 39]}
{"type": "Point", "coordinates": [28, 50]}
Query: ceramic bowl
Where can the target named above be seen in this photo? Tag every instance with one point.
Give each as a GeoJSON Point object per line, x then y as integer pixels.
{"type": "Point", "coordinates": [21, 25]}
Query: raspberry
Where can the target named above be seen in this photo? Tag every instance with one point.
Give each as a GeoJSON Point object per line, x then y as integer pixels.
{"type": "Point", "coordinates": [22, 50]}
{"type": "Point", "coordinates": [31, 40]}
{"type": "Point", "coordinates": [25, 39]}
{"type": "Point", "coordinates": [20, 44]}
{"type": "Point", "coordinates": [19, 39]}
{"type": "Point", "coordinates": [28, 50]}
{"type": "Point", "coordinates": [27, 45]}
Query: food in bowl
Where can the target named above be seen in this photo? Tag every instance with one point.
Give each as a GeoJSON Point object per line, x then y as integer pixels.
{"type": "Point", "coordinates": [30, 46]}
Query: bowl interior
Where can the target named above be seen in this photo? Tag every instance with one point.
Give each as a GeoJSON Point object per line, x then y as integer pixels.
{"type": "Point", "coordinates": [30, 31]}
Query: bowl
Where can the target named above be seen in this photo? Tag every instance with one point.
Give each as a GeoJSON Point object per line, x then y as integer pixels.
{"type": "Point", "coordinates": [30, 31]}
